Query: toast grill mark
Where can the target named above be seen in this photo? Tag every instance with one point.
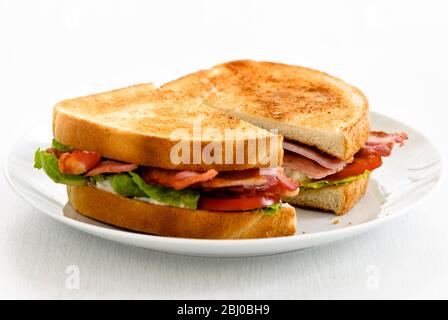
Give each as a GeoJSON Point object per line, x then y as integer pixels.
{"type": "Point", "coordinates": [227, 148]}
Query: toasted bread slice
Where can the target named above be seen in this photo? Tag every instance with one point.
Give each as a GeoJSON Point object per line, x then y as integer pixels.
{"type": "Point", "coordinates": [136, 125]}
{"type": "Point", "coordinates": [305, 105]}
{"type": "Point", "coordinates": [177, 222]}
{"type": "Point", "coordinates": [337, 199]}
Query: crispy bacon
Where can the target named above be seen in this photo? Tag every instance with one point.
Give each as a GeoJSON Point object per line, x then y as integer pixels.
{"type": "Point", "coordinates": [379, 144]}
{"type": "Point", "coordinates": [251, 182]}
{"type": "Point", "coordinates": [308, 167]}
{"type": "Point", "coordinates": [275, 188]}
{"type": "Point", "coordinates": [54, 151]}
{"type": "Point", "coordinates": [177, 179]}
{"type": "Point", "coordinates": [250, 177]}
{"type": "Point", "coordinates": [287, 183]}
{"type": "Point", "coordinates": [369, 158]}
{"type": "Point", "coordinates": [382, 143]}
{"type": "Point", "coordinates": [78, 162]}
{"type": "Point", "coordinates": [227, 184]}
{"type": "Point", "coordinates": [109, 166]}
{"type": "Point", "coordinates": [314, 154]}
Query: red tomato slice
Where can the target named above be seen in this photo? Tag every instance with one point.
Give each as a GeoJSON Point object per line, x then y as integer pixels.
{"type": "Point", "coordinates": [363, 161]}
{"type": "Point", "coordinates": [235, 204]}
{"type": "Point", "coordinates": [177, 179]}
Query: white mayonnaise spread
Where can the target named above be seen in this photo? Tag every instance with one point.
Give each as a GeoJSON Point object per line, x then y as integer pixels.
{"type": "Point", "coordinates": [105, 185]}
{"type": "Point", "coordinates": [152, 201]}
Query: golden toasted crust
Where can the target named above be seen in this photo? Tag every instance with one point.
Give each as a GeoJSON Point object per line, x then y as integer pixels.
{"type": "Point", "coordinates": [337, 199]}
{"type": "Point", "coordinates": [136, 124]}
{"type": "Point", "coordinates": [303, 104]}
{"type": "Point", "coordinates": [177, 222]}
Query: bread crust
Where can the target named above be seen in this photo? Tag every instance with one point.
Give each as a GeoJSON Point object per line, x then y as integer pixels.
{"type": "Point", "coordinates": [178, 222]}
{"type": "Point", "coordinates": [336, 199]}
{"type": "Point", "coordinates": [135, 124]}
{"type": "Point", "coordinates": [355, 135]}
{"type": "Point", "coordinates": [305, 105]}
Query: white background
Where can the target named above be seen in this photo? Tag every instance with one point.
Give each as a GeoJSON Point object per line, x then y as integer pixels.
{"type": "Point", "coordinates": [395, 51]}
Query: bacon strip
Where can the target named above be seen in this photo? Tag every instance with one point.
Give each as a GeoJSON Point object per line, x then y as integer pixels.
{"type": "Point", "coordinates": [78, 162]}
{"type": "Point", "coordinates": [251, 178]}
{"type": "Point", "coordinates": [379, 144]}
{"type": "Point", "coordinates": [235, 183]}
{"type": "Point", "coordinates": [314, 154]}
{"type": "Point", "coordinates": [309, 167]}
{"type": "Point", "coordinates": [110, 166]}
{"type": "Point", "coordinates": [225, 179]}
{"type": "Point", "coordinates": [248, 183]}
{"type": "Point", "coordinates": [288, 184]}
{"type": "Point", "coordinates": [382, 143]}
{"type": "Point", "coordinates": [177, 179]}
{"type": "Point", "coordinates": [54, 152]}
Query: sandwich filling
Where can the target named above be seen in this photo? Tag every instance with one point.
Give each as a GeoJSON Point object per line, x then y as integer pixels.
{"type": "Point", "coordinates": [253, 189]}
{"type": "Point", "coordinates": [314, 169]}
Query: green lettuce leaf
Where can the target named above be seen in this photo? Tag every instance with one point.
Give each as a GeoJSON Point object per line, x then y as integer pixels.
{"type": "Point", "coordinates": [326, 183]}
{"type": "Point", "coordinates": [97, 178]}
{"type": "Point", "coordinates": [60, 147]}
{"type": "Point", "coordinates": [37, 159]}
{"type": "Point", "coordinates": [271, 210]}
{"type": "Point", "coordinates": [186, 198]}
{"type": "Point", "coordinates": [124, 185]}
{"type": "Point", "coordinates": [49, 163]}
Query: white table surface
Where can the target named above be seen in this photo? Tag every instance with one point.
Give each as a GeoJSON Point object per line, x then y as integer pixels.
{"type": "Point", "coordinates": [395, 52]}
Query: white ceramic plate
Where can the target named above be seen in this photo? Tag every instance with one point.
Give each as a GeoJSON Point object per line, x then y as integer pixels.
{"type": "Point", "coordinates": [404, 179]}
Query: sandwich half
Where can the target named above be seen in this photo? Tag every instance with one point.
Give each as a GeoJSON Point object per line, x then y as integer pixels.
{"type": "Point", "coordinates": [159, 162]}
{"type": "Point", "coordinates": [328, 146]}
